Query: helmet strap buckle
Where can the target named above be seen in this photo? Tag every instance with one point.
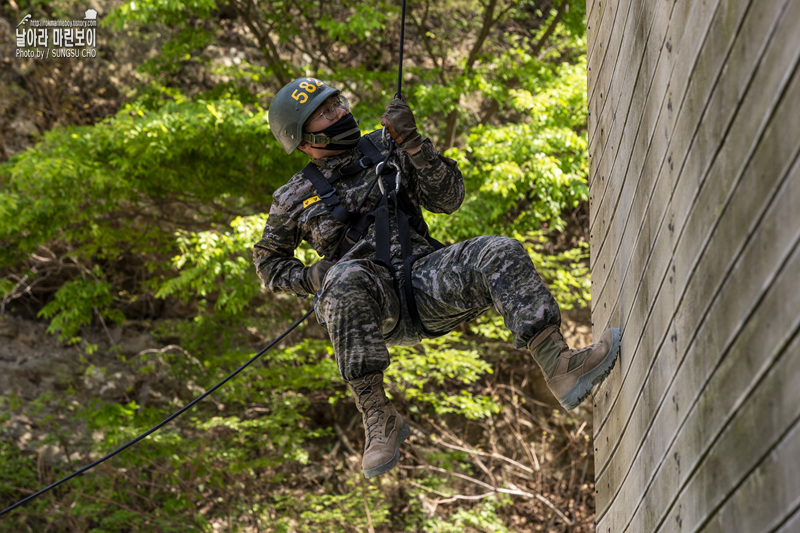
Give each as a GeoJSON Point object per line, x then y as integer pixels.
{"type": "Point", "coordinates": [316, 138]}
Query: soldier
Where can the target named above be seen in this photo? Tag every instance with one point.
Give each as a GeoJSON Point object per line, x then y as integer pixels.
{"type": "Point", "coordinates": [384, 281]}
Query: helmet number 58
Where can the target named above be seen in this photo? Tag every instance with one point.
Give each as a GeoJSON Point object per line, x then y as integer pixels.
{"type": "Point", "coordinates": [301, 96]}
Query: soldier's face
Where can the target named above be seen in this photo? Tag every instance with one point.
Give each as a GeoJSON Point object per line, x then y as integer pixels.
{"type": "Point", "coordinates": [321, 119]}
{"type": "Point", "coordinates": [326, 115]}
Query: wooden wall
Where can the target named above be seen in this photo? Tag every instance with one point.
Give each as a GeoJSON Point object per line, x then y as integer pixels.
{"type": "Point", "coordinates": [694, 134]}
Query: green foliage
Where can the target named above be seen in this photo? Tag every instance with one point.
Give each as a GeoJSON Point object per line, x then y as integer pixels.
{"type": "Point", "coordinates": [169, 12]}
{"type": "Point", "coordinates": [6, 286]}
{"type": "Point", "coordinates": [211, 260]}
{"type": "Point", "coordinates": [421, 372]}
{"type": "Point", "coordinates": [362, 22]}
{"type": "Point", "coordinates": [482, 517]}
{"type": "Point", "coordinates": [565, 273]}
{"type": "Point", "coordinates": [177, 51]}
{"type": "Point", "coordinates": [19, 470]}
{"type": "Point", "coordinates": [74, 305]}
{"type": "Point", "coordinates": [276, 435]}
{"type": "Point", "coordinates": [156, 167]}
{"type": "Point", "coordinates": [55, 9]}
{"type": "Point", "coordinates": [123, 187]}
{"type": "Point", "coordinates": [526, 175]}
{"type": "Point", "coordinates": [332, 513]}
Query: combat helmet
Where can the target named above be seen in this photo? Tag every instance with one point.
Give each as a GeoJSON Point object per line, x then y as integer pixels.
{"type": "Point", "coordinates": [292, 106]}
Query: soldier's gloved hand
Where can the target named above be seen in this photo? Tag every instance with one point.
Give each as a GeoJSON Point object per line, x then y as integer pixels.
{"type": "Point", "coordinates": [400, 123]}
{"type": "Point", "coordinates": [315, 274]}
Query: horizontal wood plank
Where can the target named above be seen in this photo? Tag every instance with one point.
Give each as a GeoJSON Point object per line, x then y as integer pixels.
{"type": "Point", "coordinates": [701, 90]}
{"type": "Point", "coordinates": [668, 65]}
{"type": "Point", "coordinates": [792, 525]}
{"type": "Point", "coordinates": [758, 262]}
{"type": "Point", "coordinates": [598, 58]}
{"type": "Point", "coordinates": [775, 235]}
{"type": "Point", "coordinates": [631, 75]}
{"type": "Point", "coordinates": [734, 452]}
{"type": "Point", "coordinates": [778, 474]}
{"type": "Point", "coordinates": [665, 463]}
{"type": "Point", "coordinates": [650, 396]}
{"type": "Point", "coordinates": [661, 234]}
{"type": "Point", "coordinates": [596, 12]}
{"type": "Point", "coordinates": [780, 148]}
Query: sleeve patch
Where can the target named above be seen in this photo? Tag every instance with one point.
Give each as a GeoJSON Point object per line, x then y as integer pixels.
{"type": "Point", "coordinates": [310, 201]}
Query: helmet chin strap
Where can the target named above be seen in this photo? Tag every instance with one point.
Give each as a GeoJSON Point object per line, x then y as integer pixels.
{"type": "Point", "coordinates": [341, 135]}
{"type": "Point", "coordinates": [321, 138]}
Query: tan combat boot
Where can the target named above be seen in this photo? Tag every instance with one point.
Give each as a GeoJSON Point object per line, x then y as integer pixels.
{"type": "Point", "coordinates": [384, 428]}
{"type": "Point", "coordinates": [571, 374]}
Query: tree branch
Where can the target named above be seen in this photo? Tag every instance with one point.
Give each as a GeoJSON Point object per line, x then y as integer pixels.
{"type": "Point", "coordinates": [493, 455]}
{"type": "Point", "coordinates": [248, 14]}
{"type": "Point", "coordinates": [550, 29]}
{"type": "Point", "coordinates": [488, 22]}
{"type": "Point", "coordinates": [420, 25]}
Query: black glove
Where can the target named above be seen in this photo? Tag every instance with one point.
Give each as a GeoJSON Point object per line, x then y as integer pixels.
{"type": "Point", "coordinates": [315, 274]}
{"type": "Point", "coordinates": [400, 123]}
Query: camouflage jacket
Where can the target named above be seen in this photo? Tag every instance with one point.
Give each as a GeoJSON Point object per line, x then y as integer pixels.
{"type": "Point", "coordinates": [431, 181]}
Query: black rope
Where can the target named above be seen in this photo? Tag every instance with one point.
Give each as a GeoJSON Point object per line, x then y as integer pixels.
{"type": "Point", "coordinates": [400, 60]}
{"type": "Point", "coordinates": [160, 424]}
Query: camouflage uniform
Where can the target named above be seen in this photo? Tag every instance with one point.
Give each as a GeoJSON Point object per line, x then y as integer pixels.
{"type": "Point", "coordinates": [361, 304]}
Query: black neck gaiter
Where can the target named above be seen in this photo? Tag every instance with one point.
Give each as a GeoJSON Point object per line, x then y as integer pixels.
{"type": "Point", "coordinates": [343, 134]}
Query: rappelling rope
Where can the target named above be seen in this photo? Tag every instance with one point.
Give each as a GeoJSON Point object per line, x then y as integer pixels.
{"type": "Point", "coordinates": [400, 58]}
{"type": "Point", "coordinates": [161, 424]}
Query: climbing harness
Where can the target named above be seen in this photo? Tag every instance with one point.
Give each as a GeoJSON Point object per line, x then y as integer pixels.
{"type": "Point", "coordinates": [161, 424]}
{"type": "Point", "coordinates": [357, 224]}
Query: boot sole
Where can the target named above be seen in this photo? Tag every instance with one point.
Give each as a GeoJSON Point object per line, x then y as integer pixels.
{"type": "Point", "coordinates": [586, 382]}
{"type": "Point", "coordinates": [403, 434]}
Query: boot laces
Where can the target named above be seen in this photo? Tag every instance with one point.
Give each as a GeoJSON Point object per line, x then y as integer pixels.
{"type": "Point", "coordinates": [558, 338]}
{"type": "Point", "coordinates": [371, 408]}
{"type": "Point", "coordinates": [577, 356]}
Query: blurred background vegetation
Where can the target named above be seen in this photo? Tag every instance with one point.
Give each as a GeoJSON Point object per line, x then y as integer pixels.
{"type": "Point", "coordinates": [132, 187]}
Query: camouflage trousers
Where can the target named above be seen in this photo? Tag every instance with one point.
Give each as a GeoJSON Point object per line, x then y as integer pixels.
{"type": "Point", "coordinates": [363, 313]}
